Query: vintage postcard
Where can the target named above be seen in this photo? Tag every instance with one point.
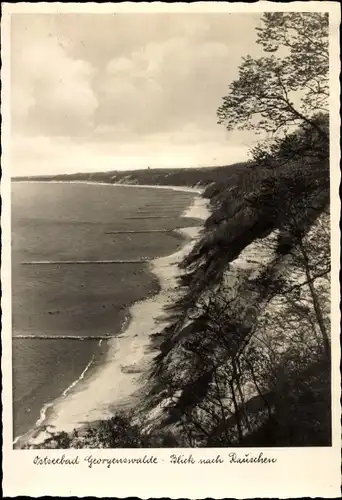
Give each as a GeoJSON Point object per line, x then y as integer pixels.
{"type": "Point", "coordinates": [170, 250]}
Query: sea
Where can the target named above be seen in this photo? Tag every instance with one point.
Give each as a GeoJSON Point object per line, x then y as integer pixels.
{"type": "Point", "coordinates": [80, 254]}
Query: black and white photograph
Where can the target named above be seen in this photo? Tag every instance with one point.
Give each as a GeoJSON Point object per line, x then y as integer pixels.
{"type": "Point", "coordinates": [170, 183]}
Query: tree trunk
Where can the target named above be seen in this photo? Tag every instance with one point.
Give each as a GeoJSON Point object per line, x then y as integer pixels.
{"type": "Point", "coordinates": [315, 301]}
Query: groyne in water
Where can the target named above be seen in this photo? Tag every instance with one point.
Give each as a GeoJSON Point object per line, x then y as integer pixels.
{"type": "Point", "coordinates": [144, 231]}
{"type": "Point", "coordinates": [65, 337]}
{"type": "Point", "coordinates": [142, 260]}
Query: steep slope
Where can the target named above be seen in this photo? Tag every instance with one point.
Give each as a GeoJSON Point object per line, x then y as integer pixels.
{"type": "Point", "coordinates": [245, 357]}
{"type": "Point", "coordinates": [254, 315]}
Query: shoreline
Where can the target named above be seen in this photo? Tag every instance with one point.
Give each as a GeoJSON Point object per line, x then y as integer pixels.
{"type": "Point", "coordinates": [186, 189]}
{"type": "Point", "coordinates": [127, 359]}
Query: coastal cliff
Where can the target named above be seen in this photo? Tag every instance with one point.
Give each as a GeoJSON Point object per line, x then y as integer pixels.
{"type": "Point", "coordinates": [244, 359]}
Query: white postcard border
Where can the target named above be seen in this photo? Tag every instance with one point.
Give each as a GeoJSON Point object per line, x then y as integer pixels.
{"type": "Point", "coordinates": [298, 472]}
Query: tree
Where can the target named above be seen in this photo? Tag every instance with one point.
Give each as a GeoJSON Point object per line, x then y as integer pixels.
{"type": "Point", "coordinates": [250, 335]}
{"type": "Point", "coordinates": [290, 84]}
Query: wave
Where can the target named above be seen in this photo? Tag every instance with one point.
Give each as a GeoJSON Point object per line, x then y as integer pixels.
{"type": "Point", "coordinates": [39, 430]}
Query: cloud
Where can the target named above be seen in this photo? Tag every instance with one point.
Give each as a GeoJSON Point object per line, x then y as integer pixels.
{"type": "Point", "coordinates": [164, 85]}
{"type": "Point", "coordinates": [51, 91]}
{"type": "Point", "coordinates": [48, 155]}
{"type": "Point", "coordinates": [108, 91]}
{"type": "Point", "coordinates": [22, 102]}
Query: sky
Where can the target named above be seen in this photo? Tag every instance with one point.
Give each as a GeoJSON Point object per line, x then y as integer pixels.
{"type": "Point", "coordinates": [96, 92]}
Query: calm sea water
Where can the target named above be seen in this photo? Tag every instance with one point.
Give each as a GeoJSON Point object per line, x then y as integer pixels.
{"type": "Point", "coordinates": [54, 303]}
